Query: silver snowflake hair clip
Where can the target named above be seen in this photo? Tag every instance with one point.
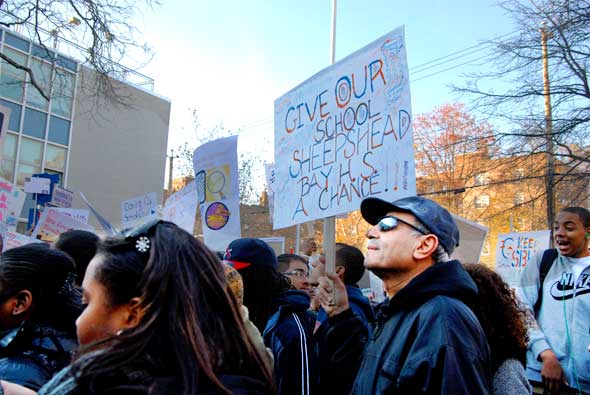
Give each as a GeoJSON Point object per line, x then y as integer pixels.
{"type": "Point", "coordinates": [142, 244]}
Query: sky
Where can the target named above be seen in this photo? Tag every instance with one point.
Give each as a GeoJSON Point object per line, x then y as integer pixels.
{"type": "Point", "coordinates": [230, 60]}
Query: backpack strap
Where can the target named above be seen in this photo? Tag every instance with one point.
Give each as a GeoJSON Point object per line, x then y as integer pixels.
{"type": "Point", "coordinates": [547, 260]}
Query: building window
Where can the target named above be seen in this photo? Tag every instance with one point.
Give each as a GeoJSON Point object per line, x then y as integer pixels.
{"type": "Point", "coordinates": [519, 173]}
{"type": "Point", "coordinates": [59, 130]}
{"type": "Point", "coordinates": [485, 250]}
{"type": "Point", "coordinates": [34, 124]}
{"type": "Point", "coordinates": [63, 93]}
{"type": "Point", "coordinates": [519, 198]}
{"type": "Point", "coordinates": [55, 158]}
{"type": "Point", "coordinates": [16, 42]}
{"type": "Point", "coordinates": [12, 80]}
{"type": "Point", "coordinates": [480, 179]}
{"type": "Point", "coordinates": [482, 201]}
{"type": "Point", "coordinates": [42, 72]}
{"type": "Point", "coordinates": [8, 157]}
{"type": "Point", "coordinates": [15, 110]}
{"type": "Point", "coordinates": [31, 155]}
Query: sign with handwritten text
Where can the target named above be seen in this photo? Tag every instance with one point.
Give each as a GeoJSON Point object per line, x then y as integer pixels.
{"type": "Point", "coordinates": [138, 208]}
{"type": "Point", "coordinates": [345, 134]}
{"type": "Point", "coordinates": [515, 251]}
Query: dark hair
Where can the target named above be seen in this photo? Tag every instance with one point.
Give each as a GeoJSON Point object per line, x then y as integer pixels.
{"type": "Point", "coordinates": [499, 314]}
{"type": "Point", "coordinates": [49, 276]}
{"type": "Point", "coordinates": [261, 285]}
{"type": "Point", "coordinates": [285, 259]}
{"type": "Point", "coordinates": [353, 260]}
{"type": "Point", "coordinates": [580, 212]}
{"type": "Point", "coordinates": [81, 246]}
{"type": "Point", "coordinates": [191, 330]}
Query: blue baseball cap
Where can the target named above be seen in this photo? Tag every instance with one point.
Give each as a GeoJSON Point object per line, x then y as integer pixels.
{"type": "Point", "coordinates": [244, 252]}
{"type": "Point", "coordinates": [435, 217]}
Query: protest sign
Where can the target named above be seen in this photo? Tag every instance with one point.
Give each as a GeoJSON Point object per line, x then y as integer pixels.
{"type": "Point", "coordinates": [344, 135]}
{"type": "Point", "coordinates": [220, 211]}
{"type": "Point", "coordinates": [4, 119]}
{"type": "Point", "coordinates": [12, 200]}
{"type": "Point", "coordinates": [61, 197]}
{"type": "Point", "coordinates": [106, 225]}
{"type": "Point", "coordinates": [53, 223]}
{"type": "Point", "coordinates": [78, 214]}
{"type": "Point", "coordinates": [473, 236]}
{"type": "Point", "coordinates": [14, 239]}
{"type": "Point", "coordinates": [181, 207]}
{"type": "Point", "coordinates": [516, 250]}
{"type": "Point", "coordinates": [39, 185]}
{"type": "Point", "coordinates": [138, 208]}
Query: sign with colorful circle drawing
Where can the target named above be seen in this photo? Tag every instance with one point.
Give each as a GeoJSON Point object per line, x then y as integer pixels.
{"type": "Point", "coordinates": [216, 216]}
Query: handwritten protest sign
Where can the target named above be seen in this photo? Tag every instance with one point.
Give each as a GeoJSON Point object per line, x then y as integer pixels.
{"type": "Point", "coordinates": [345, 134]}
{"type": "Point", "coordinates": [62, 197]}
{"type": "Point", "coordinates": [12, 200]}
{"type": "Point", "coordinates": [217, 161]}
{"type": "Point", "coordinates": [181, 207]}
{"type": "Point", "coordinates": [516, 250]}
{"type": "Point", "coordinates": [78, 214]}
{"type": "Point", "coordinates": [14, 239]}
{"type": "Point", "coordinates": [53, 223]}
{"type": "Point", "coordinates": [138, 208]}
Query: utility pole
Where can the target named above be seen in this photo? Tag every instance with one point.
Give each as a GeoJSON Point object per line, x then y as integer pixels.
{"type": "Point", "coordinates": [550, 171]}
{"type": "Point", "coordinates": [170, 170]}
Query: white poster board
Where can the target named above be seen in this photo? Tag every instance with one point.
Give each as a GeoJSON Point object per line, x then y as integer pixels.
{"type": "Point", "coordinates": [181, 207]}
{"type": "Point", "coordinates": [515, 250]}
{"type": "Point", "coordinates": [53, 223]}
{"type": "Point", "coordinates": [12, 200]}
{"type": "Point", "coordinates": [139, 208]}
{"type": "Point", "coordinates": [39, 185]}
{"type": "Point", "coordinates": [220, 211]}
{"type": "Point", "coordinates": [14, 239]}
{"type": "Point", "coordinates": [61, 197]}
{"type": "Point", "coordinates": [473, 236]}
{"type": "Point", "coordinates": [78, 214]}
{"type": "Point", "coordinates": [344, 135]}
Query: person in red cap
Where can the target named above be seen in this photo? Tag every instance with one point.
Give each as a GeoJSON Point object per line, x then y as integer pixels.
{"type": "Point", "coordinates": [279, 312]}
{"type": "Point", "coordinates": [425, 340]}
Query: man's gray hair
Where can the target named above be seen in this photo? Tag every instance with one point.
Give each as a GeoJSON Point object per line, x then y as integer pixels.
{"type": "Point", "coordinates": [440, 255]}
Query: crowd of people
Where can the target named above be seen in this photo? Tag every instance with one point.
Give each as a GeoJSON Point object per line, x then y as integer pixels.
{"type": "Point", "coordinates": [154, 311]}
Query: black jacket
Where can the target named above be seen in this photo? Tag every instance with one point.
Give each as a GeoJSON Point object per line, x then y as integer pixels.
{"type": "Point", "coordinates": [425, 341]}
{"type": "Point", "coordinates": [289, 335]}
{"type": "Point", "coordinates": [31, 354]}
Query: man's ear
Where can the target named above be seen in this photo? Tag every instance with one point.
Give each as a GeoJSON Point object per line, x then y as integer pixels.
{"type": "Point", "coordinates": [340, 270]}
{"type": "Point", "coordinates": [426, 246]}
{"type": "Point", "coordinates": [135, 312]}
{"type": "Point", "coordinates": [21, 302]}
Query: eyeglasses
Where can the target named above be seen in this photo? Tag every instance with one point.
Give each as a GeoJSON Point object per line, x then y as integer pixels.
{"type": "Point", "coordinates": [297, 273]}
{"type": "Point", "coordinates": [390, 222]}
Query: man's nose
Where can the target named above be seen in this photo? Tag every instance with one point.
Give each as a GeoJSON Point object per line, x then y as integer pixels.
{"type": "Point", "coordinates": [372, 232]}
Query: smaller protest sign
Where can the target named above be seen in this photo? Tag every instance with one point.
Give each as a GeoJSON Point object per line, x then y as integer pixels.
{"type": "Point", "coordinates": [136, 209]}
{"type": "Point", "coordinates": [12, 200]}
{"type": "Point", "coordinates": [78, 214]}
{"type": "Point", "coordinates": [14, 239]}
{"type": "Point", "coordinates": [53, 223]}
{"type": "Point", "coordinates": [37, 185]}
{"type": "Point", "coordinates": [181, 207]}
{"type": "Point", "coordinates": [61, 197]}
{"type": "Point", "coordinates": [516, 250]}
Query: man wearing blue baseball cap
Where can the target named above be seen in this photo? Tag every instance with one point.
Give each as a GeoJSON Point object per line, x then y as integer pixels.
{"type": "Point", "coordinates": [426, 340]}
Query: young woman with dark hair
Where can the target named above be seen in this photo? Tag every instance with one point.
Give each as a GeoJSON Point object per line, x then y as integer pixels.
{"type": "Point", "coordinates": [39, 304]}
{"type": "Point", "coordinates": [160, 319]}
{"type": "Point", "coordinates": [504, 323]}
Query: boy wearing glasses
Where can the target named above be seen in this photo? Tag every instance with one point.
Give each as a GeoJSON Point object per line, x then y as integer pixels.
{"type": "Point", "coordinates": [425, 339]}
{"type": "Point", "coordinates": [295, 268]}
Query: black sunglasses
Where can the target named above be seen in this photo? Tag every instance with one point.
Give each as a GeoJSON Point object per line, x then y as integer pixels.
{"type": "Point", "coordinates": [389, 222]}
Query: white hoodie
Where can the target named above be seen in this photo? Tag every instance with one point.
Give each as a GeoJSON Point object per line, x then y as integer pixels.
{"type": "Point", "coordinates": [563, 322]}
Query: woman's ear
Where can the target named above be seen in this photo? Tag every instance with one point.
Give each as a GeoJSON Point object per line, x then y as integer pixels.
{"type": "Point", "coordinates": [135, 312]}
{"type": "Point", "coordinates": [21, 302]}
